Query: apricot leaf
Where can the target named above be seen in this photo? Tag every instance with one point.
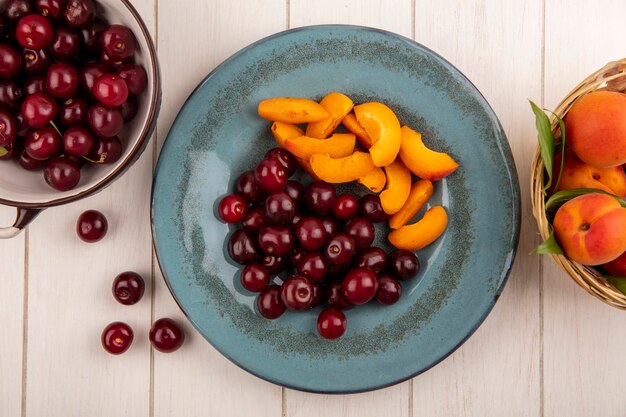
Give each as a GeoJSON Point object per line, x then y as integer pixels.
{"type": "Point", "coordinates": [618, 282]}
{"type": "Point", "coordinates": [3, 151]}
{"type": "Point", "coordinates": [556, 200]}
{"type": "Point", "coordinates": [546, 140]}
{"type": "Point", "coordinates": [550, 245]}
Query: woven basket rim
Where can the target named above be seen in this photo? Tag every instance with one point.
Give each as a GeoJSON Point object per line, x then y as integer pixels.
{"type": "Point", "coordinates": [610, 77]}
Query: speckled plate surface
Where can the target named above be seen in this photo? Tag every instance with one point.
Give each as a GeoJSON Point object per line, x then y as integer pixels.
{"type": "Point", "coordinates": [217, 135]}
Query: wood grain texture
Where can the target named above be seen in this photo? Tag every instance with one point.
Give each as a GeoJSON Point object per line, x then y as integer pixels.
{"type": "Point", "coordinates": [70, 301]}
{"type": "Point", "coordinates": [584, 359]}
{"type": "Point", "coordinates": [393, 401]}
{"type": "Point", "coordinates": [11, 313]}
{"type": "Point", "coordinates": [497, 45]}
{"type": "Point", "coordinates": [198, 380]}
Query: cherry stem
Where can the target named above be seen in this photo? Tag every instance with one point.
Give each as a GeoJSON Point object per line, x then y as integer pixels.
{"type": "Point", "coordinates": [55, 128]}
{"type": "Point", "coordinates": [103, 157]}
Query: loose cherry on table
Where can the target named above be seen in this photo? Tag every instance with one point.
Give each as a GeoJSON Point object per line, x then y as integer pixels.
{"type": "Point", "coordinates": [166, 336]}
{"type": "Point", "coordinates": [91, 226]}
{"type": "Point", "coordinates": [128, 287]}
{"type": "Point", "coordinates": [117, 338]}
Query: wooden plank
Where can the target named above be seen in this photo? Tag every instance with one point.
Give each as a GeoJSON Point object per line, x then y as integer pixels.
{"type": "Point", "coordinates": [70, 301]}
{"type": "Point", "coordinates": [498, 46]}
{"type": "Point", "coordinates": [584, 362]}
{"type": "Point", "coordinates": [11, 308]}
{"type": "Point", "coordinates": [393, 401]}
{"type": "Point", "coordinates": [198, 380]}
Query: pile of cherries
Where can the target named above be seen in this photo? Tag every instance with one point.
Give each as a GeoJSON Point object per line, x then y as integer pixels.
{"type": "Point", "coordinates": [68, 83]}
{"type": "Point", "coordinates": [325, 238]}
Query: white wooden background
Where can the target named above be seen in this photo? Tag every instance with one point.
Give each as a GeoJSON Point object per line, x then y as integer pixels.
{"type": "Point", "coordinates": [547, 349]}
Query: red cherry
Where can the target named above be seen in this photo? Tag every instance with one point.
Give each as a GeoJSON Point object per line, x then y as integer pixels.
{"type": "Point", "coordinates": [271, 175]}
{"type": "Point", "coordinates": [331, 323]}
{"type": "Point", "coordinates": [34, 31]}
{"type": "Point", "coordinates": [346, 207]}
{"type": "Point", "coordinates": [270, 304]}
{"type": "Point", "coordinates": [128, 288]}
{"type": "Point", "coordinates": [38, 109]}
{"type": "Point", "coordinates": [297, 293]}
{"type": "Point", "coordinates": [166, 336]}
{"type": "Point", "coordinates": [117, 338]}
{"type": "Point", "coordinates": [389, 289]}
{"type": "Point", "coordinates": [359, 286]}
{"type": "Point", "coordinates": [91, 226]}
{"type": "Point", "coordinates": [135, 77]}
{"type": "Point", "coordinates": [111, 90]}
{"type": "Point", "coordinates": [232, 208]}
{"type": "Point", "coordinates": [255, 277]}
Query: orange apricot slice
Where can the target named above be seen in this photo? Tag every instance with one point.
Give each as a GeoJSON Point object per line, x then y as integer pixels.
{"type": "Point", "coordinates": [421, 190]}
{"type": "Point", "coordinates": [340, 170]}
{"type": "Point", "coordinates": [283, 131]}
{"type": "Point", "coordinates": [291, 110]}
{"type": "Point", "coordinates": [374, 180]}
{"type": "Point", "coordinates": [355, 127]}
{"type": "Point", "coordinates": [422, 161]}
{"type": "Point", "coordinates": [337, 105]}
{"type": "Point", "coordinates": [398, 187]}
{"type": "Point", "coordinates": [337, 146]}
{"type": "Point", "coordinates": [383, 127]}
{"type": "Point", "coordinates": [415, 236]}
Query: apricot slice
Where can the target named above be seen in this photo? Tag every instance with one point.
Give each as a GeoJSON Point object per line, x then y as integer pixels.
{"type": "Point", "coordinates": [282, 132]}
{"type": "Point", "coordinates": [374, 180]}
{"type": "Point", "coordinates": [291, 110]}
{"type": "Point", "coordinates": [337, 105]}
{"type": "Point", "coordinates": [383, 127]}
{"type": "Point", "coordinates": [340, 170]}
{"type": "Point", "coordinates": [337, 146]}
{"type": "Point", "coordinates": [415, 236]}
{"type": "Point", "coordinates": [421, 190]}
{"type": "Point", "coordinates": [422, 161]}
{"type": "Point", "coordinates": [398, 187]}
{"type": "Point", "coordinates": [355, 127]}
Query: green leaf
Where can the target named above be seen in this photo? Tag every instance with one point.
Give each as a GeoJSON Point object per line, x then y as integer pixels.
{"type": "Point", "coordinates": [562, 127]}
{"type": "Point", "coordinates": [558, 199]}
{"type": "Point", "coordinates": [3, 151]}
{"type": "Point", "coordinates": [546, 140]}
{"type": "Point", "coordinates": [549, 246]}
{"type": "Point", "coordinates": [618, 282]}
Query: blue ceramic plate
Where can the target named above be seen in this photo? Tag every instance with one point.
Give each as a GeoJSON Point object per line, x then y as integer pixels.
{"type": "Point", "coordinates": [217, 135]}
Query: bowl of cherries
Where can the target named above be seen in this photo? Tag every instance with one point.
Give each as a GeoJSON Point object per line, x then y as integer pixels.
{"type": "Point", "coordinates": [79, 98]}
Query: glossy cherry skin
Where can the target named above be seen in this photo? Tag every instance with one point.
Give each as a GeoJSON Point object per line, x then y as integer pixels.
{"type": "Point", "coordinates": [8, 128]}
{"type": "Point", "coordinates": [359, 286]}
{"type": "Point", "coordinates": [335, 297]}
{"type": "Point", "coordinates": [43, 143]}
{"type": "Point", "coordinates": [52, 9]}
{"type": "Point", "coordinates": [297, 293]}
{"type": "Point", "coordinates": [105, 121]}
{"type": "Point", "coordinates": [310, 233]}
{"type": "Point", "coordinates": [270, 304]}
{"type": "Point", "coordinates": [286, 159]}
{"type": "Point", "coordinates": [118, 42]}
{"type": "Point", "coordinates": [73, 111]}
{"type": "Point", "coordinates": [117, 338]}
{"type": "Point", "coordinates": [129, 108]}
{"type": "Point", "coordinates": [34, 84]}
{"type": "Point", "coordinates": [91, 226]}
{"type": "Point", "coordinates": [274, 264]}
{"type": "Point", "coordinates": [255, 277]}
{"type": "Point", "coordinates": [38, 109]}
{"type": "Point", "coordinates": [319, 197]}
{"type": "Point", "coordinates": [373, 258]}
{"type": "Point", "coordinates": [135, 77]}
{"type": "Point", "coordinates": [255, 219]}
{"type": "Point", "coordinates": [89, 73]}
{"type": "Point", "coordinates": [166, 336]}
{"type": "Point", "coordinates": [232, 208]}
{"type": "Point", "coordinates": [296, 256]}
{"type": "Point", "coordinates": [371, 208]}
{"type": "Point", "coordinates": [271, 175]}
{"type": "Point", "coordinates": [10, 95]}
{"type": "Point", "coordinates": [276, 240]}
{"type": "Point", "coordinates": [10, 61]}
{"type": "Point", "coordinates": [242, 247]}
{"type": "Point", "coordinates": [128, 288]}
{"type": "Point", "coordinates": [295, 190]}
{"type": "Point", "coordinates": [331, 323]}
{"type": "Point", "coordinates": [91, 36]}
{"type": "Point", "coordinates": [111, 63]}
{"type": "Point", "coordinates": [23, 129]}
{"type": "Point", "coordinates": [280, 208]}
{"type": "Point", "coordinates": [79, 13]}
{"type": "Point", "coordinates": [36, 61]}
{"type": "Point", "coordinates": [346, 207]}
{"type": "Point", "coordinates": [389, 290]}
{"type": "Point", "coordinates": [106, 150]}
{"type": "Point", "coordinates": [62, 80]}
{"type": "Point", "coordinates": [65, 43]}
{"type": "Point", "coordinates": [14, 10]}
{"type": "Point", "coordinates": [404, 264]}
{"type": "Point", "coordinates": [313, 266]}
{"type": "Point", "coordinates": [78, 141]}
{"type": "Point", "coordinates": [339, 249]}
{"type": "Point", "coordinates": [330, 225]}
{"type": "Point", "coordinates": [29, 163]}
{"type": "Point", "coordinates": [111, 90]}
{"type": "Point", "coordinates": [248, 187]}
{"type": "Point", "coordinates": [362, 231]}
{"type": "Point", "coordinates": [33, 31]}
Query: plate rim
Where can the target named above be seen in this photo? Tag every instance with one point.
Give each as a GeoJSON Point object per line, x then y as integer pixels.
{"type": "Point", "coordinates": [510, 169]}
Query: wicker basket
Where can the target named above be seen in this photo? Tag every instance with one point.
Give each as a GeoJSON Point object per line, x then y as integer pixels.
{"type": "Point", "coordinates": [611, 77]}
